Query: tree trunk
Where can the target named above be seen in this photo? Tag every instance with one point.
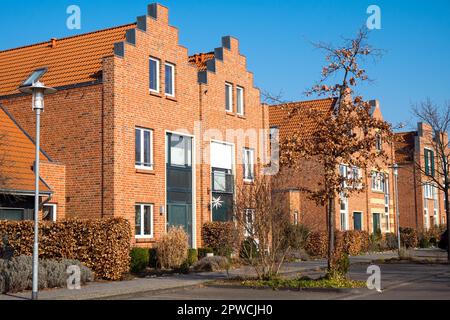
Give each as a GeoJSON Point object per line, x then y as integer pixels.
{"type": "Point", "coordinates": [331, 221]}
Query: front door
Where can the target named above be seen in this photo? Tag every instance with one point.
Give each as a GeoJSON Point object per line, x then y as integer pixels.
{"type": "Point", "coordinates": [376, 223]}
{"type": "Point", "coordinates": [179, 183]}
{"type": "Point", "coordinates": [357, 220]}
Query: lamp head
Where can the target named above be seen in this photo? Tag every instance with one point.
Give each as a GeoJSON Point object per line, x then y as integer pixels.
{"type": "Point", "coordinates": [38, 90]}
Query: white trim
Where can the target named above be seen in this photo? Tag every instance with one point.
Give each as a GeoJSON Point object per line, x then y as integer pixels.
{"type": "Point", "coordinates": [55, 210]}
{"type": "Point", "coordinates": [142, 133]}
{"type": "Point", "coordinates": [142, 208]}
{"type": "Point", "coordinates": [233, 170]}
{"type": "Point", "coordinates": [194, 182]}
{"type": "Point", "coordinates": [229, 87]}
{"type": "Point", "coordinates": [158, 66]}
{"type": "Point", "coordinates": [252, 162]}
{"type": "Point", "coordinates": [173, 79]}
{"type": "Point", "coordinates": [240, 100]}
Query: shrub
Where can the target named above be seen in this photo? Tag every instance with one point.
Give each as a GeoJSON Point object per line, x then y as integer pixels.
{"type": "Point", "coordinates": [297, 236]}
{"type": "Point", "coordinates": [153, 258]}
{"type": "Point", "coordinates": [192, 257]}
{"type": "Point", "coordinates": [391, 241]}
{"type": "Point", "coordinates": [16, 274]}
{"type": "Point", "coordinates": [172, 249]}
{"type": "Point", "coordinates": [355, 242]}
{"type": "Point", "coordinates": [317, 244]}
{"type": "Point", "coordinates": [409, 237]}
{"type": "Point", "coordinates": [203, 252]}
{"type": "Point", "coordinates": [249, 250]}
{"type": "Point", "coordinates": [101, 245]}
{"type": "Point", "coordinates": [140, 259]}
{"type": "Point", "coordinates": [222, 237]}
{"type": "Point", "coordinates": [212, 264]}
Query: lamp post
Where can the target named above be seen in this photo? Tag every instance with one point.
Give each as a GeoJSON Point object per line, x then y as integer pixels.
{"type": "Point", "coordinates": [38, 90]}
{"type": "Point", "coordinates": [396, 207]}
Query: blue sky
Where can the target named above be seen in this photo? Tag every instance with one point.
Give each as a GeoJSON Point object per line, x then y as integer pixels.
{"type": "Point", "coordinates": [275, 36]}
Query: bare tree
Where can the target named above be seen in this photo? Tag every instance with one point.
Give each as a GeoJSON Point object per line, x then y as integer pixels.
{"type": "Point", "coordinates": [263, 221]}
{"type": "Point", "coordinates": [438, 118]}
{"type": "Point", "coordinates": [347, 134]}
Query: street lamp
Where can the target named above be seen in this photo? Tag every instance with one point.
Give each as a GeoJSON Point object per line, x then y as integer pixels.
{"type": "Point", "coordinates": [37, 90]}
{"type": "Point", "coordinates": [396, 207]}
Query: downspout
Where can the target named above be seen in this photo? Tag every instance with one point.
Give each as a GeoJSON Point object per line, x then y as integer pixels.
{"type": "Point", "coordinates": [102, 182]}
{"type": "Point", "coordinates": [200, 93]}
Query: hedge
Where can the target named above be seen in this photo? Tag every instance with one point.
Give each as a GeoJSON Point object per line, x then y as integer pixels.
{"type": "Point", "coordinates": [349, 242]}
{"type": "Point", "coordinates": [222, 237]}
{"type": "Point", "coordinates": [101, 245]}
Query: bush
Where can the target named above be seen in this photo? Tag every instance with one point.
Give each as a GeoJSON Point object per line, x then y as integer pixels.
{"type": "Point", "coordinates": [249, 250]}
{"type": "Point", "coordinates": [101, 245]}
{"type": "Point", "coordinates": [409, 238]}
{"type": "Point", "coordinates": [355, 242]}
{"type": "Point", "coordinates": [153, 258]}
{"type": "Point", "coordinates": [140, 259]}
{"type": "Point", "coordinates": [212, 264]}
{"type": "Point", "coordinates": [222, 237]}
{"type": "Point", "coordinates": [203, 252]}
{"type": "Point", "coordinates": [297, 236]}
{"type": "Point", "coordinates": [391, 241]}
{"type": "Point", "coordinates": [192, 257]}
{"type": "Point", "coordinates": [16, 274]}
{"type": "Point", "coordinates": [317, 244]}
{"type": "Point", "coordinates": [172, 249]}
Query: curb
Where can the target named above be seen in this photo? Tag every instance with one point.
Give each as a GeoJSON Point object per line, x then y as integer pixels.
{"type": "Point", "coordinates": [323, 290]}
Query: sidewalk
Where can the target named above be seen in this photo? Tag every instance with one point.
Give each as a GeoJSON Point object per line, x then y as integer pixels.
{"type": "Point", "coordinates": [103, 290]}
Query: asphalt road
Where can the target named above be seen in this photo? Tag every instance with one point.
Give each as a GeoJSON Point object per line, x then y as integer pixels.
{"type": "Point", "coordinates": [399, 282]}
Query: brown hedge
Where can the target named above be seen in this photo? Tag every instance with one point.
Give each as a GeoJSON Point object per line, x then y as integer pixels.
{"type": "Point", "coordinates": [350, 242]}
{"type": "Point", "coordinates": [101, 245]}
{"type": "Point", "coordinates": [222, 237]}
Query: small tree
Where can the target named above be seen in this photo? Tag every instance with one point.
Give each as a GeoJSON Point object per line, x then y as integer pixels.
{"type": "Point", "coordinates": [439, 120]}
{"type": "Point", "coordinates": [263, 221]}
{"type": "Point", "coordinates": [346, 134]}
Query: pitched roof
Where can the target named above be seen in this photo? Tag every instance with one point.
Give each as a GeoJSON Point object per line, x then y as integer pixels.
{"type": "Point", "coordinates": [200, 60]}
{"type": "Point", "coordinates": [404, 147]}
{"type": "Point", "coordinates": [17, 154]}
{"type": "Point", "coordinates": [296, 117]}
{"type": "Point", "coordinates": [70, 61]}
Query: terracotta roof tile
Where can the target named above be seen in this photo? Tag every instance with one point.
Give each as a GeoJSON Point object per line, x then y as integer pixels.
{"type": "Point", "coordinates": [404, 147]}
{"type": "Point", "coordinates": [200, 60]}
{"type": "Point", "coordinates": [296, 117]}
{"type": "Point", "coordinates": [72, 61]}
{"type": "Point", "coordinates": [17, 155]}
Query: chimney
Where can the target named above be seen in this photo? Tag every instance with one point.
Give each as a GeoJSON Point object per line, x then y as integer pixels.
{"type": "Point", "coordinates": [54, 43]}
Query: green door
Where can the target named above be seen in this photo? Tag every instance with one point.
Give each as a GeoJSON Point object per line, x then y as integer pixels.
{"type": "Point", "coordinates": [179, 183]}
{"type": "Point", "coordinates": [376, 223]}
{"type": "Point", "coordinates": [357, 219]}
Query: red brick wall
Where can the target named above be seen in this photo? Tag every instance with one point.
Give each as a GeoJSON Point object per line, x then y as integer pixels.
{"type": "Point", "coordinates": [70, 135]}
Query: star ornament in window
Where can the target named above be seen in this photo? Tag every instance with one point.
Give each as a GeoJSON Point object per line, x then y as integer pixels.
{"type": "Point", "coordinates": [217, 203]}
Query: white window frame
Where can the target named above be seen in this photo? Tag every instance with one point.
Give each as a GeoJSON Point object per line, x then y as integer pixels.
{"type": "Point", "coordinates": [229, 89]}
{"type": "Point", "coordinates": [172, 66]}
{"type": "Point", "coordinates": [249, 159]}
{"type": "Point", "coordinates": [377, 184]}
{"type": "Point", "coordinates": [142, 167]}
{"type": "Point", "coordinates": [428, 190]}
{"type": "Point", "coordinates": [249, 230]}
{"type": "Point", "coordinates": [55, 210]}
{"type": "Point", "coordinates": [296, 217]}
{"type": "Point", "coordinates": [158, 82]}
{"type": "Point", "coordinates": [142, 208]}
{"type": "Point", "coordinates": [240, 95]}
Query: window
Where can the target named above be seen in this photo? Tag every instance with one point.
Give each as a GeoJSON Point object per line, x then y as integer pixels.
{"type": "Point", "coordinates": [428, 191]}
{"type": "Point", "coordinates": [50, 212]}
{"type": "Point", "coordinates": [378, 182]}
{"type": "Point", "coordinates": [240, 100]}
{"type": "Point", "coordinates": [357, 221]}
{"type": "Point", "coordinates": [249, 218]}
{"type": "Point", "coordinates": [229, 97]}
{"type": "Point", "coordinates": [296, 217]}
{"type": "Point", "coordinates": [8, 214]}
{"type": "Point", "coordinates": [144, 221]}
{"type": "Point", "coordinates": [223, 181]}
{"type": "Point", "coordinates": [180, 153]}
{"type": "Point", "coordinates": [154, 75]}
{"type": "Point", "coordinates": [144, 149]}
{"type": "Point", "coordinates": [429, 162]}
{"type": "Point", "coordinates": [379, 143]}
{"type": "Point", "coordinates": [170, 79]}
{"type": "Point", "coordinates": [249, 164]}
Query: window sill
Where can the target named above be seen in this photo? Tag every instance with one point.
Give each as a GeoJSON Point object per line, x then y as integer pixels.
{"type": "Point", "coordinates": [144, 239]}
{"type": "Point", "coordinates": [249, 181]}
{"type": "Point", "coordinates": [145, 171]}
{"type": "Point", "coordinates": [377, 191]}
{"type": "Point", "coordinates": [155, 94]}
{"type": "Point", "coordinates": [242, 116]}
{"type": "Point", "coordinates": [230, 113]}
{"type": "Point", "coordinates": [171, 98]}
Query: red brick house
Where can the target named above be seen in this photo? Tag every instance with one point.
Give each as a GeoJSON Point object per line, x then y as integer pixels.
{"type": "Point", "coordinates": [146, 132]}
{"type": "Point", "coordinates": [421, 204]}
{"type": "Point", "coordinates": [17, 178]}
{"type": "Point", "coordinates": [371, 210]}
